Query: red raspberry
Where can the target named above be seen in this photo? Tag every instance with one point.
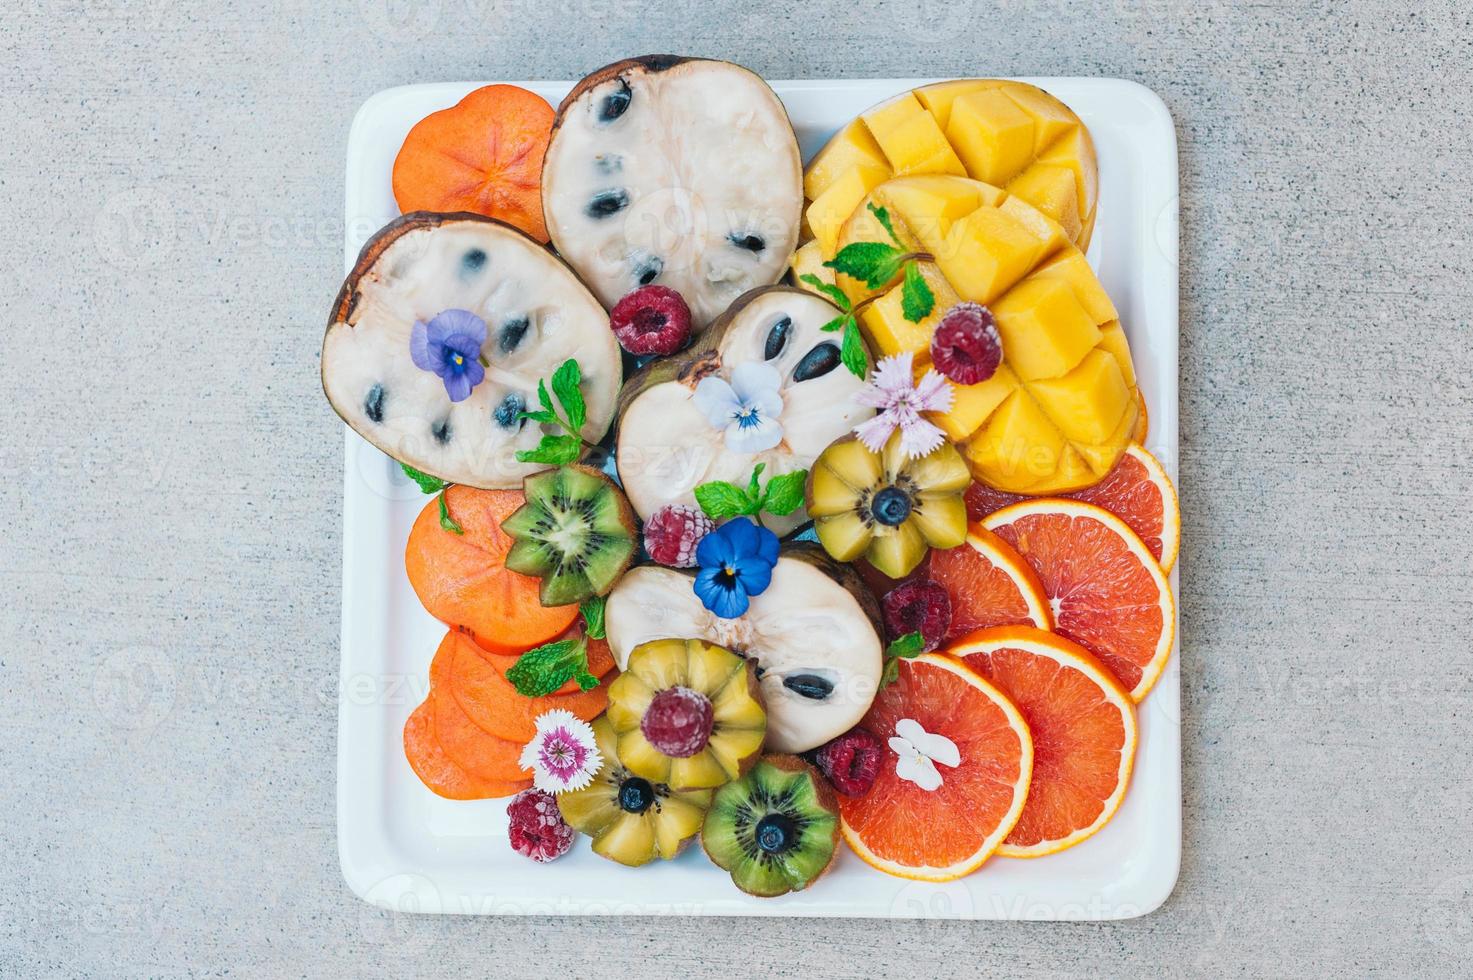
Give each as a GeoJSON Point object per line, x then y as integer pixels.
{"type": "Point", "coordinates": [651, 320]}
{"type": "Point", "coordinates": [672, 533]}
{"type": "Point", "coordinates": [851, 762]}
{"type": "Point", "coordinates": [966, 346]}
{"type": "Point", "coordinates": [537, 829]}
{"type": "Point", "coordinates": [678, 722]}
{"type": "Point", "coordinates": [918, 606]}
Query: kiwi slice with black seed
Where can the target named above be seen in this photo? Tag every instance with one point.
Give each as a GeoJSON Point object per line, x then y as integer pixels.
{"type": "Point", "coordinates": [776, 830]}
{"type": "Point", "coordinates": [576, 532]}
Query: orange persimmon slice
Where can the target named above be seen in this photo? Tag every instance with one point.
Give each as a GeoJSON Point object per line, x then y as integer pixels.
{"type": "Point", "coordinates": [483, 155]}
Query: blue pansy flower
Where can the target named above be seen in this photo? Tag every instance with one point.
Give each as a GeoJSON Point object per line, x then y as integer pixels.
{"type": "Point", "coordinates": [736, 563]}
{"type": "Point", "coordinates": [450, 346]}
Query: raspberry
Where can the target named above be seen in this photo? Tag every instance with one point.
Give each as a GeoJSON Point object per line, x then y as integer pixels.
{"type": "Point", "coordinates": [851, 762]}
{"type": "Point", "coordinates": [537, 829]}
{"type": "Point", "coordinates": [678, 722]}
{"type": "Point", "coordinates": [918, 606]}
{"type": "Point", "coordinates": [651, 320]}
{"type": "Point", "coordinates": [672, 533]}
{"type": "Point", "coordinates": [966, 346]}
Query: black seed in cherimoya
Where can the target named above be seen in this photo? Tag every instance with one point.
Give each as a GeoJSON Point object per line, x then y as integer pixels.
{"type": "Point", "coordinates": [373, 405]}
{"type": "Point", "coordinates": [649, 270]}
{"type": "Point", "coordinates": [616, 103]}
{"type": "Point", "coordinates": [441, 430]}
{"type": "Point", "coordinates": [817, 362]}
{"type": "Point", "coordinates": [511, 334]}
{"type": "Point", "coordinates": [471, 263]}
{"type": "Point", "coordinates": [777, 338]}
{"type": "Point", "coordinates": [607, 203]}
{"type": "Point", "coordinates": [508, 413]}
{"type": "Point", "coordinates": [810, 686]}
{"type": "Point", "coordinates": [752, 243]}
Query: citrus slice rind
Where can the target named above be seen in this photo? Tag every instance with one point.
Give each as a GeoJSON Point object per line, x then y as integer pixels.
{"type": "Point", "coordinates": [1063, 657]}
{"type": "Point", "coordinates": [858, 815]}
{"type": "Point", "coordinates": [1170, 505]}
{"type": "Point", "coordinates": [1099, 628]}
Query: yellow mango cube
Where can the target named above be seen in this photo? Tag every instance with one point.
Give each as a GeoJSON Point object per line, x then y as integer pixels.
{"type": "Point", "coordinates": [1112, 340]}
{"type": "Point", "coordinates": [991, 134]}
{"type": "Point", "coordinates": [936, 202]}
{"type": "Point", "coordinates": [1052, 119]}
{"type": "Point", "coordinates": [938, 98]}
{"type": "Point", "coordinates": [850, 147]}
{"type": "Point", "coordinates": [1072, 268]}
{"type": "Point", "coordinates": [985, 253]}
{"type": "Point", "coordinates": [917, 146]}
{"type": "Point", "coordinates": [1103, 455]}
{"type": "Point", "coordinates": [1051, 189]}
{"type": "Point", "coordinates": [1087, 403]}
{"type": "Point", "coordinates": [1019, 447]}
{"type": "Point", "coordinates": [889, 332]}
{"type": "Point", "coordinates": [972, 404]}
{"type": "Point", "coordinates": [828, 212]}
{"type": "Point", "coordinates": [1045, 332]}
{"type": "Point", "coordinates": [1075, 152]}
{"type": "Point", "coordinates": [887, 117]}
{"type": "Point", "coordinates": [1048, 231]}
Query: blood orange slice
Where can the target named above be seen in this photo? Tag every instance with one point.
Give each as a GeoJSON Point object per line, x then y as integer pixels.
{"type": "Point", "coordinates": [1083, 727]}
{"type": "Point", "coordinates": [989, 585]}
{"type": "Point", "coordinates": [1137, 491]}
{"type": "Point", "coordinates": [941, 818]}
{"type": "Point", "coordinates": [1106, 591]}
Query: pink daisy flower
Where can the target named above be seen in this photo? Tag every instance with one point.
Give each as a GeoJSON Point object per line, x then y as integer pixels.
{"type": "Point", "coordinates": [563, 755]}
{"type": "Point", "coordinates": [901, 400]}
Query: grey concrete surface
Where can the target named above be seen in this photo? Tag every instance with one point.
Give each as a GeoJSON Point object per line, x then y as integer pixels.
{"type": "Point", "coordinates": [171, 181]}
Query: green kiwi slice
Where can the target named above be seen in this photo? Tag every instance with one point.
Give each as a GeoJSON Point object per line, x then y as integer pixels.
{"type": "Point", "coordinates": [776, 830]}
{"type": "Point", "coordinates": [575, 532]}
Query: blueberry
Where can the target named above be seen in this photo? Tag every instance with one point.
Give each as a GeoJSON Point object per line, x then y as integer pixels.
{"type": "Point", "coordinates": [615, 103]}
{"type": "Point", "coordinates": [606, 203]}
{"type": "Point", "coordinates": [636, 795]}
{"type": "Point", "coordinates": [649, 270]}
{"type": "Point", "coordinates": [441, 430]}
{"type": "Point", "coordinates": [512, 332]}
{"type": "Point", "coordinates": [752, 243]}
{"type": "Point", "coordinates": [810, 686]}
{"type": "Point", "coordinates": [777, 338]}
{"type": "Point", "coordinates": [776, 833]}
{"type": "Point", "coordinates": [373, 405]}
{"type": "Point", "coordinates": [817, 362]}
{"type": "Point", "coordinates": [508, 413]}
{"type": "Point", "coordinates": [471, 263]}
{"type": "Point", "coordinates": [891, 506]}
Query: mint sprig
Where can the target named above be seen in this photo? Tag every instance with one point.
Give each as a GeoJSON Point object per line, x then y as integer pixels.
{"type": "Point", "coordinates": [433, 484]}
{"type": "Point", "coordinates": [559, 450]}
{"type": "Point", "coordinates": [781, 496]}
{"type": "Point", "coordinates": [906, 647]}
{"type": "Point", "coordinates": [542, 670]}
{"type": "Point", "coordinates": [851, 349]}
{"type": "Point", "coordinates": [876, 264]}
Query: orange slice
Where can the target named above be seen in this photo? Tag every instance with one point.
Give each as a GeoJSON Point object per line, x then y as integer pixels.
{"type": "Point", "coordinates": [1106, 591]}
{"type": "Point", "coordinates": [947, 832]}
{"type": "Point", "coordinates": [989, 585]}
{"type": "Point", "coordinates": [1083, 727]}
{"type": "Point", "coordinates": [1137, 491]}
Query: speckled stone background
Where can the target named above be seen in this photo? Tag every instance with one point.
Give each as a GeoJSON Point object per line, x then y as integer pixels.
{"type": "Point", "coordinates": [171, 185]}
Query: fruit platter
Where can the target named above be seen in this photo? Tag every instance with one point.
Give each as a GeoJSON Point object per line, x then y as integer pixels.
{"type": "Point", "coordinates": [759, 497]}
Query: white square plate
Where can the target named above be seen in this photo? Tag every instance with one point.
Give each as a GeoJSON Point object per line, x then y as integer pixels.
{"type": "Point", "coordinates": [403, 847]}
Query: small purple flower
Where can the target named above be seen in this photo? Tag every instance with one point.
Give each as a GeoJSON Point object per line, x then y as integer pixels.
{"type": "Point", "coordinates": [450, 346]}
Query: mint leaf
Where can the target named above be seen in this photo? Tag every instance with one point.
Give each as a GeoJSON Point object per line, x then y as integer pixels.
{"type": "Point", "coordinates": [851, 351]}
{"type": "Point", "coordinates": [891, 673]}
{"type": "Point", "coordinates": [592, 609]}
{"type": "Point", "coordinates": [907, 647]}
{"type": "Point", "coordinates": [553, 450]}
{"type": "Point", "coordinates": [837, 322]}
{"type": "Point", "coordinates": [539, 672]}
{"type": "Point", "coordinates": [446, 521]}
{"type": "Point", "coordinates": [565, 382]}
{"type": "Point", "coordinates": [754, 498]}
{"type": "Point", "coordinates": [721, 500]}
{"type": "Point", "coordinates": [883, 217]}
{"type": "Point", "coordinates": [916, 298]}
{"type": "Point", "coordinates": [784, 494]}
{"type": "Point", "coordinates": [543, 416]}
{"type": "Point", "coordinates": [545, 399]}
{"type": "Point", "coordinates": [873, 262]}
{"type": "Point", "coordinates": [834, 293]}
{"type": "Point", "coordinates": [586, 681]}
{"type": "Point", "coordinates": [427, 483]}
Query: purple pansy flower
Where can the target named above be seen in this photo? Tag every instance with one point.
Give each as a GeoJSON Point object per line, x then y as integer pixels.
{"type": "Point", "coordinates": [450, 346]}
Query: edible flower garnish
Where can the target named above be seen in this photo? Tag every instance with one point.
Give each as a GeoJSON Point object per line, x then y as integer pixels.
{"type": "Point", "coordinates": [736, 563]}
{"type": "Point", "coordinates": [450, 346]}
{"type": "Point", "coordinates": [747, 408]}
{"type": "Point", "coordinates": [563, 755]}
{"type": "Point", "coordinates": [901, 400]}
{"type": "Point", "coordinates": [918, 751]}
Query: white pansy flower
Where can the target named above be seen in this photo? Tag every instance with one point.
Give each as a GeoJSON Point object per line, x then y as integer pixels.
{"type": "Point", "coordinates": [747, 408]}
